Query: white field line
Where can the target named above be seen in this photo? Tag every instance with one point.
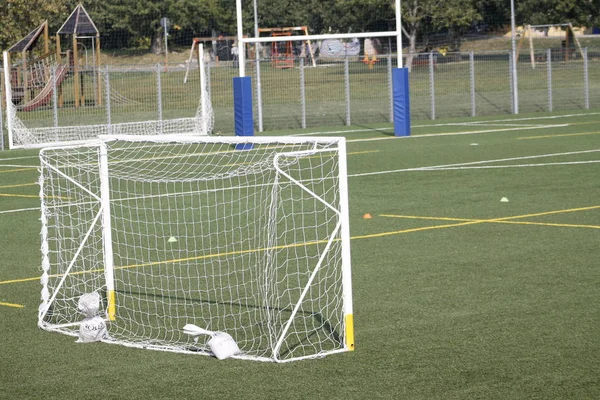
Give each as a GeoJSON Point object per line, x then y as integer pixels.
{"type": "Point", "coordinates": [18, 166]}
{"type": "Point", "coordinates": [512, 165]}
{"type": "Point", "coordinates": [20, 210]}
{"type": "Point", "coordinates": [462, 165]}
{"type": "Point", "coordinates": [520, 128]}
{"type": "Point", "coordinates": [17, 158]}
{"type": "Point", "coordinates": [540, 118]}
{"type": "Point", "coordinates": [434, 167]}
{"type": "Point", "coordinates": [498, 124]}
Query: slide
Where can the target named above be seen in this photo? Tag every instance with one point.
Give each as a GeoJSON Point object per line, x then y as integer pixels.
{"type": "Point", "coordinates": [44, 96]}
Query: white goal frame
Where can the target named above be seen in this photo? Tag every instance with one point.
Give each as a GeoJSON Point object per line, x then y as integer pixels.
{"type": "Point", "coordinates": [242, 39]}
{"type": "Point", "coordinates": [57, 313]}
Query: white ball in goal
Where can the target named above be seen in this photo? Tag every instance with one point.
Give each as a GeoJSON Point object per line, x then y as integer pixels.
{"type": "Point", "coordinates": [93, 327]}
{"type": "Point", "coordinates": [92, 330]}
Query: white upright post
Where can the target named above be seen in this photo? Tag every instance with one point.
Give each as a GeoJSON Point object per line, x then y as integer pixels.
{"type": "Point", "coordinates": [107, 234]}
{"type": "Point", "coordinates": [345, 236]}
{"type": "Point", "coordinates": [240, 36]}
{"type": "Point", "coordinates": [399, 32]}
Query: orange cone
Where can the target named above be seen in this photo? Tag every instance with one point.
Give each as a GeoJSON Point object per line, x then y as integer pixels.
{"type": "Point", "coordinates": [367, 216]}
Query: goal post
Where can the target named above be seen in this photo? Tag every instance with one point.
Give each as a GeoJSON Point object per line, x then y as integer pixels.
{"type": "Point", "coordinates": [243, 103]}
{"type": "Point", "coordinates": [181, 230]}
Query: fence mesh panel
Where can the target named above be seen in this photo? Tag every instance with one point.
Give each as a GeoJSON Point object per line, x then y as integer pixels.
{"type": "Point", "coordinates": [330, 92]}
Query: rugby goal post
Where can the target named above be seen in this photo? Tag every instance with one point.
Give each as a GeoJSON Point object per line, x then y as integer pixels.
{"type": "Point", "coordinates": [181, 230]}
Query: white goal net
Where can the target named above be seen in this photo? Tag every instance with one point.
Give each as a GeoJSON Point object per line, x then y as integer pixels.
{"type": "Point", "coordinates": [21, 135]}
{"type": "Point", "coordinates": [247, 236]}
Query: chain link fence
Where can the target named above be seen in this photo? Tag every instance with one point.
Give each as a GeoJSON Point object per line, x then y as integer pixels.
{"type": "Point", "coordinates": [326, 93]}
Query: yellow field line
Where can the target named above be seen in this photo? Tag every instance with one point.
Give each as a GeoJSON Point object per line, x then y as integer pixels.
{"type": "Point", "coordinates": [18, 185]}
{"type": "Point", "coordinates": [558, 135]}
{"type": "Point", "coordinates": [37, 278]}
{"type": "Point", "coordinates": [29, 196]}
{"type": "Point", "coordinates": [462, 222]}
{"type": "Point", "coordinates": [17, 170]}
{"type": "Point", "coordinates": [547, 224]}
{"type": "Point", "coordinates": [491, 221]}
{"type": "Point", "coordinates": [425, 228]}
{"type": "Point", "coordinates": [11, 305]}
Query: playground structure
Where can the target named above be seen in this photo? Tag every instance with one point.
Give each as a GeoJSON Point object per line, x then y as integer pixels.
{"type": "Point", "coordinates": [221, 52]}
{"type": "Point", "coordinates": [282, 53]}
{"type": "Point", "coordinates": [569, 45]}
{"type": "Point", "coordinates": [38, 70]}
{"type": "Point", "coordinates": [80, 26]}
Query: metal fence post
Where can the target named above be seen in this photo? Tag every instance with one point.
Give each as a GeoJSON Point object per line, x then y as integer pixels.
{"type": "Point", "coordinates": [259, 110]}
{"type": "Point", "coordinates": [511, 80]}
{"type": "Point", "coordinates": [208, 85]}
{"type": "Point", "coordinates": [159, 93]}
{"type": "Point", "coordinates": [472, 78]}
{"type": "Point", "coordinates": [54, 97]}
{"type": "Point", "coordinates": [432, 85]}
{"type": "Point", "coordinates": [302, 93]}
{"type": "Point", "coordinates": [390, 86]}
{"type": "Point", "coordinates": [549, 68]}
{"type": "Point", "coordinates": [107, 94]}
{"type": "Point", "coordinates": [347, 87]}
{"type": "Point", "coordinates": [586, 79]}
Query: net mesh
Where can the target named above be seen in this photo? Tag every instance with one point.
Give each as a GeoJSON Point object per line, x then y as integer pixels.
{"type": "Point", "coordinates": [23, 136]}
{"type": "Point", "coordinates": [241, 241]}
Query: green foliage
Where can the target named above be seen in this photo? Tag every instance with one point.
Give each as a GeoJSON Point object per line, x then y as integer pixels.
{"type": "Point", "coordinates": [129, 23]}
{"type": "Point", "coordinates": [582, 12]}
{"type": "Point", "coordinates": [20, 17]}
{"type": "Point", "coordinates": [334, 16]}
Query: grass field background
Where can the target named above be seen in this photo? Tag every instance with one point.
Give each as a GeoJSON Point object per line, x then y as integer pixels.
{"type": "Point", "coordinates": [457, 295]}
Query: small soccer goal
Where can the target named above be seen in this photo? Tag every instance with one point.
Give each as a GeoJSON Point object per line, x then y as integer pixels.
{"type": "Point", "coordinates": [244, 236]}
{"type": "Point", "coordinates": [23, 134]}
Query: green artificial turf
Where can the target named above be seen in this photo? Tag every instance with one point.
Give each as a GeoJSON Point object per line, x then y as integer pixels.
{"type": "Point", "coordinates": [457, 295]}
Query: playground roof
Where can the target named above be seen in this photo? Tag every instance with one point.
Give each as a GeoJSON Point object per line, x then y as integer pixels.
{"type": "Point", "coordinates": [30, 40]}
{"type": "Point", "coordinates": [78, 23]}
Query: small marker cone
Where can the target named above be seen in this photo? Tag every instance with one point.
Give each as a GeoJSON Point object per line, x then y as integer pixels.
{"type": "Point", "coordinates": [172, 240]}
{"type": "Point", "coordinates": [504, 200]}
{"type": "Point", "coordinates": [367, 216]}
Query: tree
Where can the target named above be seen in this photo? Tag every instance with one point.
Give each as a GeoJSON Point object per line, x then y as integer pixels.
{"type": "Point", "coordinates": [335, 16]}
{"type": "Point", "coordinates": [540, 12]}
{"type": "Point", "coordinates": [448, 14]}
{"type": "Point", "coordinates": [20, 17]}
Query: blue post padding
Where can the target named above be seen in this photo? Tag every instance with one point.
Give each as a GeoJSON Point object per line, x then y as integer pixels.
{"type": "Point", "coordinates": [401, 102]}
{"type": "Point", "coordinates": [242, 109]}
